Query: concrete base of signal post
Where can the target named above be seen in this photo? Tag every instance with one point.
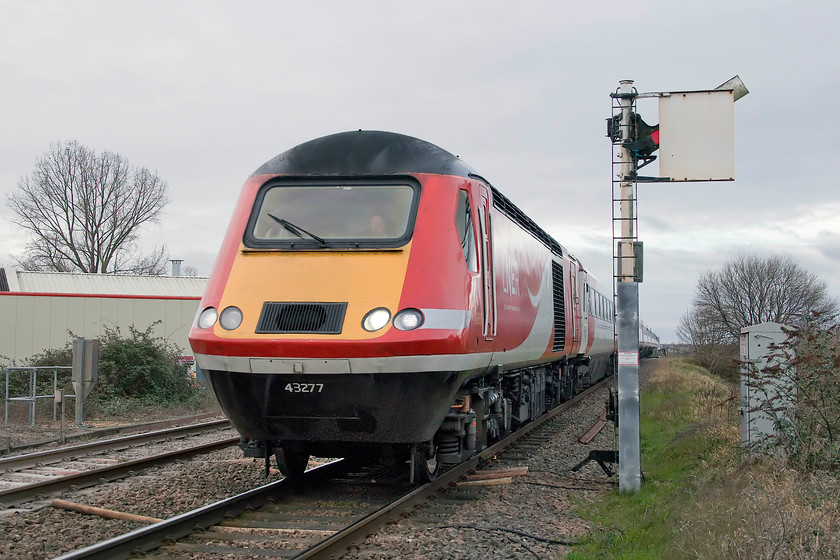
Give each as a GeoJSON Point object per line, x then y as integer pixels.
{"type": "Point", "coordinates": [629, 444]}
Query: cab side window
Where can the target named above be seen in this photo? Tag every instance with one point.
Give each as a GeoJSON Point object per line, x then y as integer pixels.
{"type": "Point", "coordinates": [466, 230]}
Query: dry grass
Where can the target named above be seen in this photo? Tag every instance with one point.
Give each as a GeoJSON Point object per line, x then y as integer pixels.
{"type": "Point", "coordinates": [135, 410]}
{"type": "Point", "coordinates": [704, 401]}
{"type": "Point", "coordinates": [710, 395]}
{"type": "Point", "coordinates": [745, 508]}
{"type": "Point", "coordinates": [764, 511]}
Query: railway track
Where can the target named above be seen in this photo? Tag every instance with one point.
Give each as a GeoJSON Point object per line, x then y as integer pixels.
{"type": "Point", "coordinates": [10, 448]}
{"type": "Point", "coordinates": [330, 509]}
{"type": "Point", "coordinates": [41, 474]}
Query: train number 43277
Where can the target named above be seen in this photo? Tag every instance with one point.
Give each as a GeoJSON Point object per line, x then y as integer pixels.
{"type": "Point", "coordinates": [304, 387]}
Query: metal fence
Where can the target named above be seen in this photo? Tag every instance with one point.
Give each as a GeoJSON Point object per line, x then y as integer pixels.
{"type": "Point", "coordinates": [31, 397]}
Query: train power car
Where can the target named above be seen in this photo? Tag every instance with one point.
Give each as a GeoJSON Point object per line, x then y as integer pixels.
{"type": "Point", "coordinates": [375, 297]}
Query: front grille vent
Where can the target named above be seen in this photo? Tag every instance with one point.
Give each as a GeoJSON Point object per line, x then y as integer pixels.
{"type": "Point", "coordinates": [559, 307]}
{"type": "Point", "coordinates": [288, 318]}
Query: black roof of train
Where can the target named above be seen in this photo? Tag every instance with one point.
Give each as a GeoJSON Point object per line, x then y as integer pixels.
{"type": "Point", "coordinates": [365, 152]}
{"type": "Point", "coordinates": [373, 152]}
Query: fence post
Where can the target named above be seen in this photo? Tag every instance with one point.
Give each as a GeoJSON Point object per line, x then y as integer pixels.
{"type": "Point", "coordinates": [61, 439]}
{"type": "Point", "coordinates": [33, 381]}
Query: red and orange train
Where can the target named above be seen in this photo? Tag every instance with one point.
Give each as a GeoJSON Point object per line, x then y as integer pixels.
{"type": "Point", "coordinates": [375, 297]}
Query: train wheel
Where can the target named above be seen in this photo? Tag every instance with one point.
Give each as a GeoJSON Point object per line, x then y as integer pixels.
{"type": "Point", "coordinates": [291, 462]}
{"type": "Point", "coordinates": [424, 462]}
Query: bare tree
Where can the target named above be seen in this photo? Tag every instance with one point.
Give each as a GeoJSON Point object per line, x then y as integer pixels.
{"type": "Point", "coordinates": [189, 271]}
{"type": "Point", "coordinates": [711, 346]}
{"type": "Point", "coordinates": [751, 290]}
{"type": "Point", "coordinates": [84, 212]}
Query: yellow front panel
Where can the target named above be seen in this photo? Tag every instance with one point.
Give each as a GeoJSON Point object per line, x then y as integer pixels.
{"type": "Point", "coordinates": [363, 279]}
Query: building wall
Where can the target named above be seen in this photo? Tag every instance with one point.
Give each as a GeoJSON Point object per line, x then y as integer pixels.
{"type": "Point", "coordinates": [31, 323]}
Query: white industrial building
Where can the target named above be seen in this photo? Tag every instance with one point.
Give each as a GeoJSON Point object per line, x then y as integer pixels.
{"type": "Point", "coordinates": [39, 310]}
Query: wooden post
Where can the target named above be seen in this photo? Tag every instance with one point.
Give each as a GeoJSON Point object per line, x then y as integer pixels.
{"type": "Point", "coordinates": [107, 513]}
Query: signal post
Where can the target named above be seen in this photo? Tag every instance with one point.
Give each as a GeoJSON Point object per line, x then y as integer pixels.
{"type": "Point", "coordinates": [627, 300]}
{"type": "Point", "coordinates": [697, 144]}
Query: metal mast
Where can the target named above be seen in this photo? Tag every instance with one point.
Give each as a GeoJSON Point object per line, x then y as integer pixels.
{"type": "Point", "coordinates": [625, 275]}
{"type": "Point", "coordinates": [700, 147]}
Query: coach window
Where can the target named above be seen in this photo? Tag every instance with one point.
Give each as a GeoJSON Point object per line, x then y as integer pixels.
{"type": "Point", "coordinates": [466, 230]}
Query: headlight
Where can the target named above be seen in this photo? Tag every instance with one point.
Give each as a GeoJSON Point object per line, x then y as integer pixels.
{"type": "Point", "coordinates": [208, 318]}
{"type": "Point", "coordinates": [376, 319]}
{"type": "Point", "coordinates": [230, 318]}
{"type": "Point", "coordinates": [408, 319]}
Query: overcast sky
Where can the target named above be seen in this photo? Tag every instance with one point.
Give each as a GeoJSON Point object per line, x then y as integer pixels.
{"type": "Point", "coordinates": [205, 92]}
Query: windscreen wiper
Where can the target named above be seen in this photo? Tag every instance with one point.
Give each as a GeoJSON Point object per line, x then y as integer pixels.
{"type": "Point", "coordinates": [297, 230]}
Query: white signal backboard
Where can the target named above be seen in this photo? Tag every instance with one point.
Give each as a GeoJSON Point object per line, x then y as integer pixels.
{"type": "Point", "coordinates": [697, 136]}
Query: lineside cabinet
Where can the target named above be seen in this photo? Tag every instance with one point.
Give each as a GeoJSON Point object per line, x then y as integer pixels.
{"type": "Point", "coordinates": [758, 352]}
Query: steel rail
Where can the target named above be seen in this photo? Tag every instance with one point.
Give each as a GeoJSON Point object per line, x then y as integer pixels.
{"type": "Point", "coordinates": [337, 544]}
{"type": "Point", "coordinates": [149, 538]}
{"type": "Point", "coordinates": [96, 432]}
{"type": "Point", "coordinates": [21, 494]}
{"type": "Point", "coordinates": [174, 528]}
{"type": "Point", "coordinates": [41, 458]}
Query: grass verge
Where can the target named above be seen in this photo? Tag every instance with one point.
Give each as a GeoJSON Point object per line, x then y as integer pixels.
{"type": "Point", "coordinates": [701, 498]}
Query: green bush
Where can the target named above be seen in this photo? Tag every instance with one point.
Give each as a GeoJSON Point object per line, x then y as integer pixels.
{"type": "Point", "coordinates": [141, 366]}
{"type": "Point", "coordinates": [53, 357]}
